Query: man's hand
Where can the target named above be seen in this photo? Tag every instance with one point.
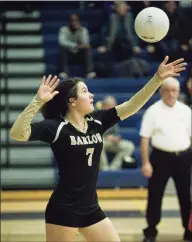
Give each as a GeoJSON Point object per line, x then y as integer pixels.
{"type": "Point", "coordinates": [147, 169]}
{"type": "Point", "coordinates": [113, 138]}
{"type": "Point", "coordinates": [101, 49]}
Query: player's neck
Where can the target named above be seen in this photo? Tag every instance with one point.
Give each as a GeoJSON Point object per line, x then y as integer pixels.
{"type": "Point", "coordinates": [77, 120]}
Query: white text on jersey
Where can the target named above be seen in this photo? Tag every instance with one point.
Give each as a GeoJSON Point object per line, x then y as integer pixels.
{"type": "Point", "coordinates": [89, 139]}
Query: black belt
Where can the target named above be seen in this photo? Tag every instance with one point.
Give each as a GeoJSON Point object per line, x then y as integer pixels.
{"type": "Point", "coordinates": [174, 153]}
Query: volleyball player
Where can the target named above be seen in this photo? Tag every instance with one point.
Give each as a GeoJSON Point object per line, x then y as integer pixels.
{"type": "Point", "coordinates": [74, 131]}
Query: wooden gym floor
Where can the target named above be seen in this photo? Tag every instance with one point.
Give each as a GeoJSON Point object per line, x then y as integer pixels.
{"type": "Point", "coordinates": [22, 215]}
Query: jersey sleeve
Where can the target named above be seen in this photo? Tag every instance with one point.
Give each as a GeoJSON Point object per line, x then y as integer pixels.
{"type": "Point", "coordinates": [44, 131]}
{"type": "Point", "coordinates": [108, 118]}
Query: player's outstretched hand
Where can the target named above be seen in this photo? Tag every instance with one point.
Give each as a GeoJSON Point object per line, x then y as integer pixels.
{"type": "Point", "coordinates": [46, 90]}
{"type": "Point", "coordinates": [172, 69]}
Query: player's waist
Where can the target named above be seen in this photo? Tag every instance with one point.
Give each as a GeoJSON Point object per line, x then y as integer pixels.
{"type": "Point", "coordinates": [75, 195]}
{"type": "Point", "coordinates": [78, 207]}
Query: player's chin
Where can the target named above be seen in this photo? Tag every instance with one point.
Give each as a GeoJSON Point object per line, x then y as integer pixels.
{"type": "Point", "coordinates": [91, 108]}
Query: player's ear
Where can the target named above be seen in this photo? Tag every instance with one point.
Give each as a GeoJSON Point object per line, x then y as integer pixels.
{"type": "Point", "coordinates": [72, 101]}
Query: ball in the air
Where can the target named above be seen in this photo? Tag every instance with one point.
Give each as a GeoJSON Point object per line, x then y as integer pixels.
{"type": "Point", "coordinates": [151, 24]}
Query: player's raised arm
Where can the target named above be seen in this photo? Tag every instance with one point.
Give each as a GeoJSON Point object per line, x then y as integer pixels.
{"type": "Point", "coordinates": [21, 129]}
{"type": "Point", "coordinates": [164, 71]}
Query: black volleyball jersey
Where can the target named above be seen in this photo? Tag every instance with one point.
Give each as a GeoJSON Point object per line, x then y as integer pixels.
{"type": "Point", "coordinates": [77, 155]}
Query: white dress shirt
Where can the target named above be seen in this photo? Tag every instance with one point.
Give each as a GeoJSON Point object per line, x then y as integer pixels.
{"type": "Point", "coordinates": [168, 127]}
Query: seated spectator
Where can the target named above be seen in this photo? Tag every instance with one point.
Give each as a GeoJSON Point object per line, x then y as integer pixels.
{"type": "Point", "coordinates": [188, 88]}
{"type": "Point", "coordinates": [137, 6]}
{"type": "Point", "coordinates": [170, 44]}
{"type": "Point", "coordinates": [186, 35]}
{"type": "Point", "coordinates": [121, 40]}
{"type": "Point", "coordinates": [112, 142]}
{"type": "Point", "coordinates": [74, 47]}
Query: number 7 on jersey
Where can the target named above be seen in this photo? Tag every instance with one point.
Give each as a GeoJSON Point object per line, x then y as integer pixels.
{"type": "Point", "coordinates": [89, 152]}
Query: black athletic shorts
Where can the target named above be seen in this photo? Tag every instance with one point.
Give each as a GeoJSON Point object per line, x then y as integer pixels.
{"type": "Point", "coordinates": [57, 214]}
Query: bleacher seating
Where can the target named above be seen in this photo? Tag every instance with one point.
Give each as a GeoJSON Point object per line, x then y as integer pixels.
{"type": "Point", "coordinates": [53, 19]}
{"type": "Point", "coordinates": [25, 170]}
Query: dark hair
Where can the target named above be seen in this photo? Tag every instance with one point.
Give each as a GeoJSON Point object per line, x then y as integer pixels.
{"type": "Point", "coordinates": [58, 106]}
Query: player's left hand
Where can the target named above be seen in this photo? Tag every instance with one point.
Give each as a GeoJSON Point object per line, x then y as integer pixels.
{"type": "Point", "coordinates": [172, 69]}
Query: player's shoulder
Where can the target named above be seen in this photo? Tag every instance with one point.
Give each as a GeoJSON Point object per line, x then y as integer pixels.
{"type": "Point", "coordinates": [55, 126]}
{"type": "Point", "coordinates": [94, 117]}
{"type": "Point", "coordinates": [53, 122]}
{"type": "Point", "coordinates": [94, 114]}
{"type": "Point", "coordinates": [105, 115]}
{"type": "Point", "coordinates": [45, 130]}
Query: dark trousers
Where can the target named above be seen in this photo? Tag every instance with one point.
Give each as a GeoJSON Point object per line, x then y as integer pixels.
{"type": "Point", "coordinates": [121, 49]}
{"type": "Point", "coordinates": [83, 56]}
{"type": "Point", "coordinates": [166, 165]}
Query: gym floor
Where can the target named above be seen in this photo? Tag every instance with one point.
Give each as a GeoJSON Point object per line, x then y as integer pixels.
{"type": "Point", "coordinates": [22, 215]}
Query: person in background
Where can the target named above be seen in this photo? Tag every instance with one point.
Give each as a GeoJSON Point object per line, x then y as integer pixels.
{"type": "Point", "coordinates": [186, 35]}
{"type": "Point", "coordinates": [167, 124]}
{"type": "Point", "coordinates": [74, 47]}
{"type": "Point", "coordinates": [121, 41]}
{"type": "Point", "coordinates": [171, 43]}
{"type": "Point", "coordinates": [112, 142]}
{"type": "Point", "coordinates": [188, 88]}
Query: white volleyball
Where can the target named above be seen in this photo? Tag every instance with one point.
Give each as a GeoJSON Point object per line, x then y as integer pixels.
{"type": "Point", "coordinates": [151, 24]}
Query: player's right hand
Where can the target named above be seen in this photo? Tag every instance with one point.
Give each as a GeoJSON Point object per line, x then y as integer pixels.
{"type": "Point", "coordinates": [46, 90]}
{"type": "Point", "coordinates": [147, 169]}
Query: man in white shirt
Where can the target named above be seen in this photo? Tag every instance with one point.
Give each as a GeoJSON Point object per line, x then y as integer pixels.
{"type": "Point", "coordinates": [167, 124]}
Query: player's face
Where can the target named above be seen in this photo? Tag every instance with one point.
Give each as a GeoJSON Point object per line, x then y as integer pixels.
{"type": "Point", "coordinates": [170, 94]}
{"type": "Point", "coordinates": [84, 101]}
